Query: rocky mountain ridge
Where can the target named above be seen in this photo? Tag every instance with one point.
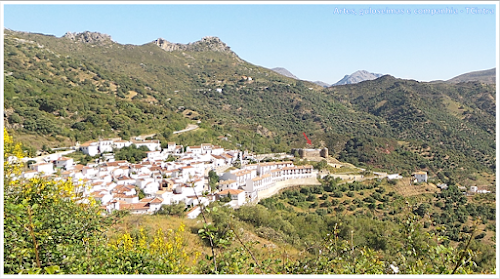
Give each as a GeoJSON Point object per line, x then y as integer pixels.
{"type": "Point", "coordinates": [88, 37]}
{"type": "Point", "coordinates": [209, 43]}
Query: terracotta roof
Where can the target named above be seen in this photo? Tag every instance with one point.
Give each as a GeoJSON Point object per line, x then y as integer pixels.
{"type": "Point", "coordinates": [124, 178]}
{"type": "Point", "coordinates": [242, 172]}
{"type": "Point", "coordinates": [136, 206]}
{"type": "Point", "coordinates": [261, 177]}
{"type": "Point", "coordinates": [217, 157]}
{"type": "Point", "coordinates": [152, 200]}
{"type": "Point", "coordinates": [118, 195]}
{"type": "Point", "coordinates": [97, 194]}
{"type": "Point", "coordinates": [79, 167]}
{"type": "Point", "coordinates": [224, 182]}
{"type": "Point", "coordinates": [230, 191]}
{"type": "Point", "coordinates": [87, 143]}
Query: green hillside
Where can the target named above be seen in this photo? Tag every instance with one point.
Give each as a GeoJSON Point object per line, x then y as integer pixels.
{"type": "Point", "coordinates": [62, 90]}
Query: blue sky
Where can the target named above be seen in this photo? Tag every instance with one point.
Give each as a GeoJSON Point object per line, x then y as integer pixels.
{"type": "Point", "coordinates": [314, 42]}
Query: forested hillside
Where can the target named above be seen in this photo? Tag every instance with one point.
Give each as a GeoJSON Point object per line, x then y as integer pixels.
{"type": "Point", "coordinates": [62, 90]}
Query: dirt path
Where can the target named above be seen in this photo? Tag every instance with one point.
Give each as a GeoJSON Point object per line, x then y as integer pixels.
{"type": "Point", "coordinates": [190, 127]}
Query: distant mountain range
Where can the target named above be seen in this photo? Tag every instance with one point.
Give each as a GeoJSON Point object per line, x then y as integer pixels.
{"type": "Point", "coordinates": [355, 77]}
{"type": "Point", "coordinates": [485, 76]}
{"type": "Point", "coordinates": [285, 72]}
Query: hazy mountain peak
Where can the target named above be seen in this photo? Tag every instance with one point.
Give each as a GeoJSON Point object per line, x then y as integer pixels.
{"type": "Point", "coordinates": [88, 37]}
{"type": "Point", "coordinates": [284, 72]}
{"type": "Point", "coordinates": [485, 76]}
{"type": "Point", "coordinates": [320, 83]}
{"type": "Point", "coordinates": [357, 77]}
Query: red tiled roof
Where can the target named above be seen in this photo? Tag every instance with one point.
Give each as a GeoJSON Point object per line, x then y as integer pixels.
{"type": "Point", "coordinates": [230, 191]}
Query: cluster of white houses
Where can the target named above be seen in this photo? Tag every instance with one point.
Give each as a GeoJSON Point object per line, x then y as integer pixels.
{"type": "Point", "coordinates": [116, 183]}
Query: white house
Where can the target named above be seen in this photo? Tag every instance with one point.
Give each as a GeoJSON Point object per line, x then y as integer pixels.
{"type": "Point", "coordinates": [105, 145]}
{"type": "Point", "coordinates": [194, 212]}
{"type": "Point", "coordinates": [394, 176]}
{"type": "Point", "coordinates": [154, 203]}
{"type": "Point", "coordinates": [124, 180]}
{"type": "Point", "coordinates": [119, 144]}
{"type": "Point", "coordinates": [236, 195]}
{"type": "Point", "coordinates": [228, 184]}
{"type": "Point", "coordinates": [218, 160]}
{"type": "Point", "coordinates": [90, 148]}
{"type": "Point", "coordinates": [151, 155]}
{"type": "Point", "coordinates": [64, 162]}
{"type": "Point", "coordinates": [241, 176]}
{"type": "Point", "coordinates": [152, 145]}
{"type": "Point", "coordinates": [259, 183]}
{"type": "Point", "coordinates": [194, 149]}
{"type": "Point", "coordinates": [420, 176]}
{"type": "Point", "coordinates": [46, 168]}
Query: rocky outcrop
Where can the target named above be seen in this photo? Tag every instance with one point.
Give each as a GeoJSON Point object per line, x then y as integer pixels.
{"type": "Point", "coordinates": [205, 44]}
{"type": "Point", "coordinates": [89, 37]}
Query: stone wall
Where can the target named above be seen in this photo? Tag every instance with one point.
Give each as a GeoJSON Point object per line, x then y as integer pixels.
{"type": "Point", "coordinates": [285, 184]}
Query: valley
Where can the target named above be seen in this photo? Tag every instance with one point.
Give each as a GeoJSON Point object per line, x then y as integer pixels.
{"type": "Point", "coordinates": [222, 183]}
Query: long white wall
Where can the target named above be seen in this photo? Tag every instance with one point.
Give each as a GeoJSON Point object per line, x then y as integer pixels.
{"type": "Point", "coordinates": [285, 184]}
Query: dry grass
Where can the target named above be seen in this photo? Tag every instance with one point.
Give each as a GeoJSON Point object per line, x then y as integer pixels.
{"type": "Point", "coordinates": [405, 189]}
{"type": "Point", "coordinates": [193, 243]}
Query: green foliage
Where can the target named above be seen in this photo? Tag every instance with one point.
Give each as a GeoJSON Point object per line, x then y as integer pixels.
{"type": "Point", "coordinates": [213, 179]}
{"type": "Point", "coordinates": [131, 153]}
{"type": "Point", "coordinates": [174, 209]}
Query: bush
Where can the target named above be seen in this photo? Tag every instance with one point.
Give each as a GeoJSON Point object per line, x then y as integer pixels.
{"type": "Point", "coordinates": [175, 209]}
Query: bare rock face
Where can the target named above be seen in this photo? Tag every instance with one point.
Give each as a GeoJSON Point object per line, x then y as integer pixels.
{"type": "Point", "coordinates": [89, 37]}
{"type": "Point", "coordinates": [168, 46]}
{"type": "Point", "coordinates": [205, 44]}
{"type": "Point", "coordinates": [210, 43]}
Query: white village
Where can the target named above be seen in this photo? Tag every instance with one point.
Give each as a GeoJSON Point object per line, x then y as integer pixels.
{"type": "Point", "coordinates": [163, 181]}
